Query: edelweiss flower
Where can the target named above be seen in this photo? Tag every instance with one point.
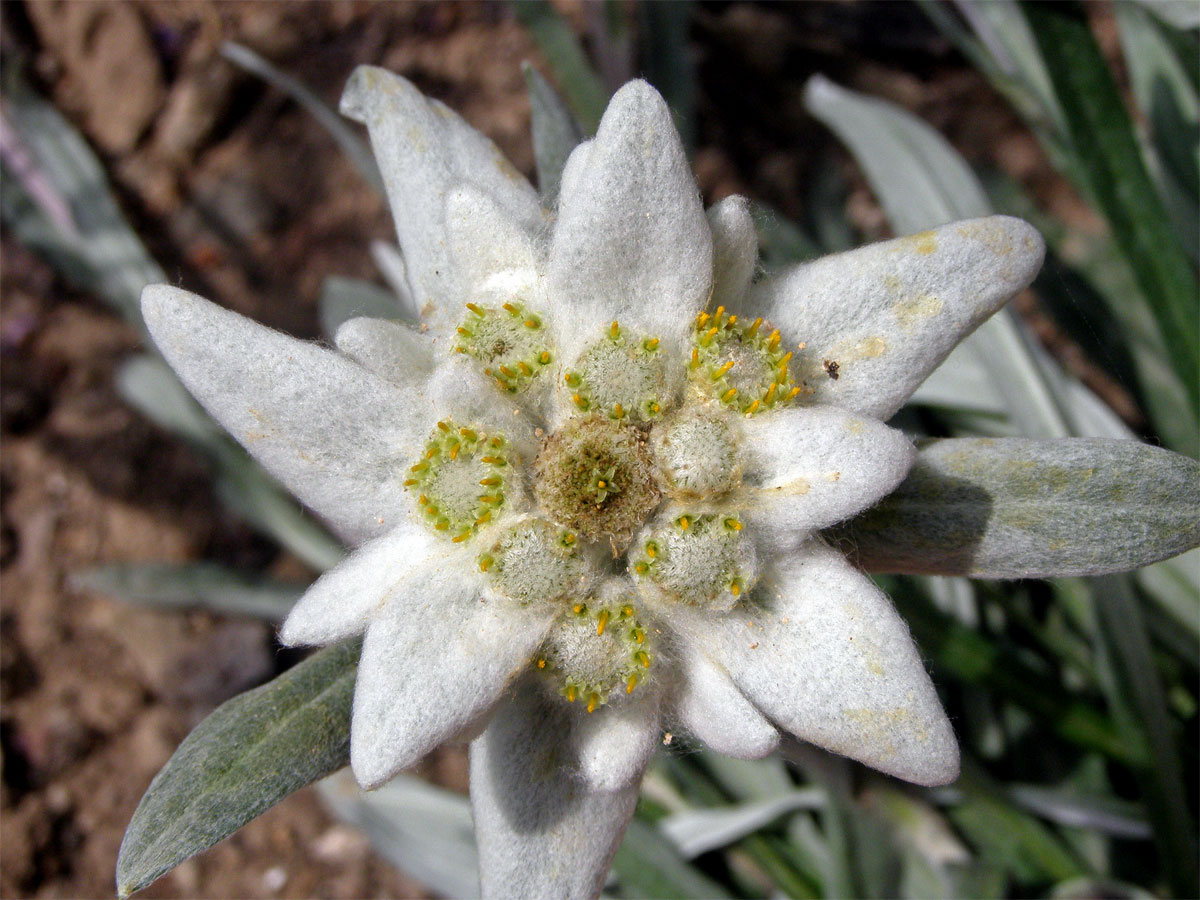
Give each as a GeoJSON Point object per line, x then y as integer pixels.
{"type": "Point", "coordinates": [588, 488]}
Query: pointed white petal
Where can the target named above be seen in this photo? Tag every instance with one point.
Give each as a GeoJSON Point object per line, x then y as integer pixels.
{"type": "Point", "coordinates": [395, 352]}
{"type": "Point", "coordinates": [631, 242]}
{"type": "Point", "coordinates": [712, 709]}
{"type": "Point", "coordinates": [337, 436]}
{"type": "Point", "coordinates": [424, 149]}
{"type": "Point", "coordinates": [889, 313]}
{"type": "Point", "coordinates": [342, 601]}
{"type": "Point", "coordinates": [810, 467]}
{"type": "Point", "coordinates": [735, 251]}
{"type": "Point", "coordinates": [434, 661]}
{"type": "Point", "coordinates": [496, 257]}
{"type": "Point", "coordinates": [614, 744]}
{"type": "Point", "coordinates": [543, 833]}
{"type": "Point", "coordinates": [822, 652]}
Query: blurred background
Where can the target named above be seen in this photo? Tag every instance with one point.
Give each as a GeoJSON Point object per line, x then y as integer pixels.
{"type": "Point", "coordinates": [138, 145]}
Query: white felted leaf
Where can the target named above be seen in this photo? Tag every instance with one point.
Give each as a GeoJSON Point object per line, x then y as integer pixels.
{"type": "Point", "coordinates": [437, 657]}
{"type": "Point", "coordinates": [821, 651]}
{"type": "Point", "coordinates": [459, 391]}
{"type": "Point", "coordinates": [735, 251]}
{"type": "Point", "coordinates": [613, 745]}
{"type": "Point", "coordinates": [542, 833]}
{"type": "Point", "coordinates": [336, 435]}
{"type": "Point", "coordinates": [888, 313]}
{"type": "Point", "coordinates": [497, 259]}
{"type": "Point", "coordinates": [424, 149]}
{"type": "Point", "coordinates": [631, 243]}
{"type": "Point", "coordinates": [713, 710]}
{"type": "Point", "coordinates": [807, 468]}
{"type": "Point", "coordinates": [341, 602]}
{"type": "Point", "coordinates": [398, 353]}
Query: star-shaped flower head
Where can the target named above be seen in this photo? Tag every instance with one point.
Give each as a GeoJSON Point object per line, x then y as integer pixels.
{"type": "Point", "coordinates": [587, 490]}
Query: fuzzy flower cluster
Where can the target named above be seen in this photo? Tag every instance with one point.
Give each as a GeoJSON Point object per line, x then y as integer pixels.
{"type": "Point", "coordinates": [587, 488]}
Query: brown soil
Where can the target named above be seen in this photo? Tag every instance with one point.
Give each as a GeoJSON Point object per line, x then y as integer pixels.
{"type": "Point", "coordinates": [242, 197]}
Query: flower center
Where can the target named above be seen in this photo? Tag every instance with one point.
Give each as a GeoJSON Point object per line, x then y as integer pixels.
{"type": "Point", "coordinates": [510, 342]}
{"type": "Point", "coordinates": [702, 560]}
{"type": "Point", "coordinates": [696, 452]}
{"type": "Point", "coordinates": [460, 481]}
{"type": "Point", "coordinates": [739, 365]}
{"type": "Point", "coordinates": [535, 561]}
{"type": "Point", "coordinates": [597, 650]}
{"type": "Point", "coordinates": [620, 376]}
{"type": "Point", "coordinates": [595, 475]}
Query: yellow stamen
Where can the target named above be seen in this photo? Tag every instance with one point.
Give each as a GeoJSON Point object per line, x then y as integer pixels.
{"type": "Point", "coordinates": [614, 330]}
{"type": "Point", "coordinates": [489, 481]}
{"type": "Point", "coordinates": [541, 664]}
{"type": "Point", "coordinates": [485, 563]}
{"type": "Point", "coordinates": [578, 608]}
{"type": "Point", "coordinates": [505, 370]}
{"type": "Point", "coordinates": [651, 344]}
{"type": "Point", "coordinates": [626, 612]}
{"type": "Point", "coordinates": [464, 332]}
{"type": "Point", "coordinates": [639, 635]}
{"type": "Point", "coordinates": [631, 683]}
{"type": "Point", "coordinates": [423, 500]}
{"type": "Point", "coordinates": [725, 367]}
{"type": "Point", "coordinates": [695, 357]}
{"type": "Point", "coordinates": [544, 357]}
{"type": "Point", "coordinates": [459, 538]}
{"type": "Point", "coordinates": [618, 411]}
{"type": "Point", "coordinates": [409, 482]}
{"type": "Point", "coordinates": [512, 309]}
{"type": "Point", "coordinates": [773, 340]}
{"type": "Point", "coordinates": [701, 319]}
{"type": "Point", "coordinates": [651, 549]}
{"type": "Point", "coordinates": [733, 524]}
{"type": "Point", "coordinates": [592, 701]}
{"type": "Point", "coordinates": [643, 659]}
{"type": "Point", "coordinates": [733, 320]}
{"type": "Point", "coordinates": [794, 391]}
{"type": "Point", "coordinates": [708, 336]}
{"type": "Point", "coordinates": [752, 407]}
{"type": "Point", "coordinates": [728, 396]}
{"type": "Point", "coordinates": [783, 361]}
{"type": "Point", "coordinates": [601, 622]}
{"type": "Point", "coordinates": [419, 467]}
{"type": "Point", "coordinates": [492, 460]}
{"type": "Point", "coordinates": [454, 452]}
{"type": "Point", "coordinates": [571, 694]}
{"type": "Point", "coordinates": [497, 442]}
{"type": "Point", "coordinates": [753, 329]}
{"type": "Point", "coordinates": [491, 500]}
{"type": "Point", "coordinates": [531, 323]}
{"type": "Point", "coordinates": [524, 367]}
{"type": "Point", "coordinates": [579, 401]}
{"type": "Point", "coordinates": [654, 408]}
{"type": "Point", "coordinates": [442, 525]}
{"type": "Point", "coordinates": [683, 522]}
{"type": "Point", "coordinates": [641, 567]}
{"type": "Point", "coordinates": [720, 312]}
{"type": "Point", "coordinates": [468, 434]}
{"type": "Point", "coordinates": [771, 391]}
{"type": "Point", "coordinates": [735, 588]}
{"type": "Point", "coordinates": [431, 452]}
{"type": "Point", "coordinates": [479, 311]}
{"type": "Point", "coordinates": [485, 517]}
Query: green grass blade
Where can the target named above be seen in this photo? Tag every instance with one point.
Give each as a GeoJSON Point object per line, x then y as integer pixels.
{"type": "Point", "coordinates": [248, 755]}
{"type": "Point", "coordinates": [1102, 137]}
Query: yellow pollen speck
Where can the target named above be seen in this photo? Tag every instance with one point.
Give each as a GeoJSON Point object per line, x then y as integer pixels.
{"type": "Point", "coordinates": [601, 622]}
{"type": "Point", "coordinates": [541, 664]}
{"type": "Point", "coordinates": [577, 608]}
{"type": "Point", "coordinates": [601, 484]}
{"type": "Point", "coordinates": [654, 408]}
{"type": "Point", "coordinates": [641, 567]}
{"type": "Point", "coordinates": [423, 500]}
{"type": "Point", "coordinates": [735, 589]}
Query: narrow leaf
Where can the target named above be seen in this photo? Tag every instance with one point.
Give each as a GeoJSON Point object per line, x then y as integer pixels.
{"type": "Point", "coordinates": [204, 585]}
{"type": "Point", "coordinates": [344, 298]}
{"type": "Point", "coordinates": [648, 865]}
{"type": "Point", "coordinates": [584, 90]}
{"type": "Point", "coordinates": [555, 133]}
{"type": "Point", "coordinates": [1103, 140]}
{"type": "Point", "coordinates": [1021, 508]}
{"type": "Point", "coordinates": [352, 145]}
{"type": "Point", "coordinates": [243, 759]}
